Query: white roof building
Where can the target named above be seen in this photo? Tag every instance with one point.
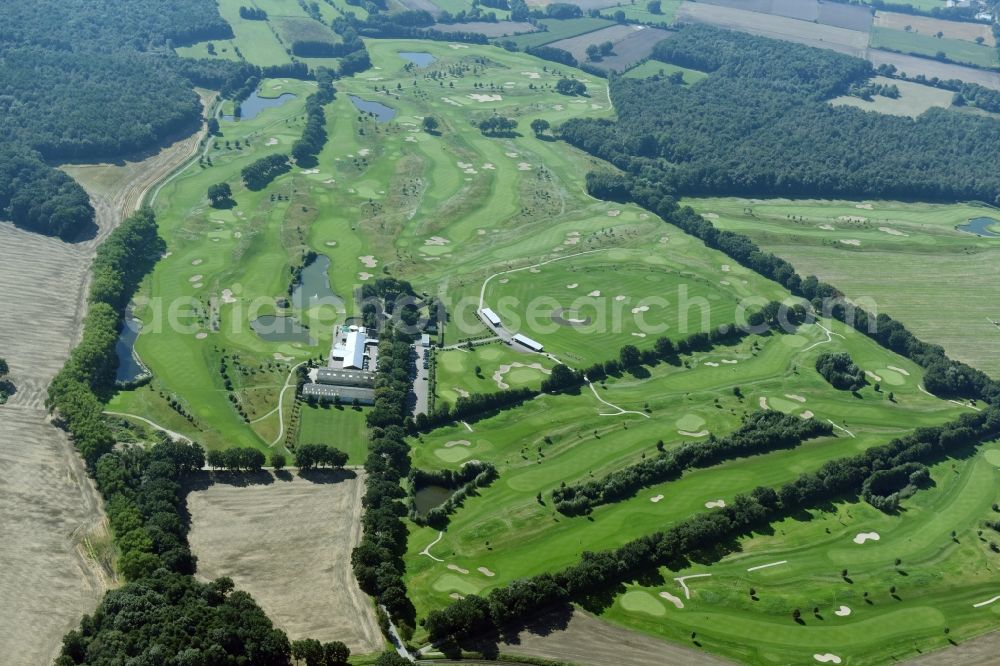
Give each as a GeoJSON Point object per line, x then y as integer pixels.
{"type": "Point", "coordinates": [491, 316]}
{"type": "Point", "coordinates": [527, 342]}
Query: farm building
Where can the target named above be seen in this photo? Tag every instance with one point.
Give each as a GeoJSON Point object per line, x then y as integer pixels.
{"type": "Point", "coordinates": [353, 349]}
{"type": "Point", "coordinates": [491, 317]}
{"type": "Point", "coordinates": [346, 394]}
{"type": "Point", "coordinates": [525, 341]}
{"type": "Point", "coordinates": [361, 378]}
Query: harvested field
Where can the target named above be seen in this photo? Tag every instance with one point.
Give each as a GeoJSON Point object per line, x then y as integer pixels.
{"type": "Point", "coordinates": [912, 65]}
{"type": "Point", "coordinates": [585, 5]}
{"type": "Point", "coordinates": [632, 44]}
{"type": "Point", "coordinates": [585, 639]}
{"type": "Point", "coordinates": [268, 533]}
{"type": "Point", "coordinates": [850, 17]}
{"type": "Point", "coordinates": [425, 5]}
{"type": "Point", "coordinates": [557, 30]}
{"type": "Point", "coordinates": [931, 26]}
{"type": "Point", "coordinates": [498, 29]}
{"type": "Point", "coordinates": [851, 42]}
{"type": "Point", "coordinates": [928, 45]}
{"type": "Point", "coordinates": [52, 505]}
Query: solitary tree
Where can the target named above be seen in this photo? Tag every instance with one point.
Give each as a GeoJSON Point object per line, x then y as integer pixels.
{"type": "Point", "coordinates": [594, 52]}
{"type": "Point", "coordinates": [539, 126]}
{"type": "Point", "coordinates": [607, 48]}
{"type": "Point", "coordinates": [430, 124]}
{"type": "Point", "coordinates": [278, 461]}
{"type": "Point", "coordinates": [220, 194]}
{"type": "Point", "coordinates": [654, 7]}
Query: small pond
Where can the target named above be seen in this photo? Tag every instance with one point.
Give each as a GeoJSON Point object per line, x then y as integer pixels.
{"type": "Point", "coordinates": [429, 497]}
{"type": "Point", "coordinates": [980, 227]}
{"type": "Point", "coordinates": [275, 328]}
{"type": "Point", "coordinates": [313, 285]}
{"type": "Point", "coordinates": [418, 58]}
{"type": "Point", "coordinates": [129, 367]}
{"type": "Point", "coordinates": [382, 113]}
{"type": "Point", "coordinates": [251, 107]}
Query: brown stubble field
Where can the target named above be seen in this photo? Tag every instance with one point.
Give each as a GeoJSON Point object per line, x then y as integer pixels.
{"type": "Point", "coordinates": [287, 541]}
{"type": "Point", "coordinates": [52, 517]}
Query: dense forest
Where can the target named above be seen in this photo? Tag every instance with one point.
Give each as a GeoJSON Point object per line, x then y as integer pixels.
{"type": "Point", "coordinates": [92, 79]}
{"type": "Point", "coordinates": [760, 125]}
{"type": "Point", "coordinates": [6, 387]}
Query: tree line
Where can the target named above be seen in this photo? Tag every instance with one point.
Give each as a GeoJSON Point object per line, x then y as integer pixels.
{"type": "Point", "coordinates": [761, 125]}
{"type": "Point", "coordinates": [6, 387]}
{"type": "Point", "coordinates": [314, 135]}
{"type": "Point", "coordinates": [378, 560]}
{"type": "Point", "coordinates": [464, 481]}
{"type": "Point", "coordinates": [237, 459]}
{"type": "Point", "coordinates": [708, 534]}
{"type": "Point", "coordinates": [760, 432]}
{"type": "Point", "coordinates": [309, 456]}
{"type": "Point", "coordinates": [840, 371]}
{"type": "Point", "coordinates": [260, 173]}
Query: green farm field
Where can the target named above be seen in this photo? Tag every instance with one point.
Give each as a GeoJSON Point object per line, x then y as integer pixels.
{"type": "Point", "coordinates": [656, 68]}
{"type": "Point", "coordinates": [560, 30]}
{"type": "Point", "coordinates": [938, 281]}
{"type": "Point", "coordinates": [958, 50]}
{"type": "Point", "coordinates": [499, 366]}
{"type": "Point", "coordinates": [913, 100]}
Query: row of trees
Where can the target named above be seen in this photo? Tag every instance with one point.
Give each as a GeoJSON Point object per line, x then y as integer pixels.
{"type": "Point", "coordinates": [497, 125]}
{"type": "Point", "coordinates": [840, 371]}
{"type": "Point", "coordinates": [470, 476]}
{"type": "Point", "coordinates": [705, 535]}
{"type": "Point", "coordinates": [314, 135]}
{"type": "Point", "coordinates": [473, 406]}
{"type": "Point", "coordinates": [378, 560]}
{"type": "Point", "coordinates": [308, 456]}
{"type": "Point", "coordinates": [239, 459]}
{"type": "Point", "coordinates": [88, 377]}
{"type": "Point", "coordinates": [761, 125]}
{"type": "Point", "coordinates": [760, 432]}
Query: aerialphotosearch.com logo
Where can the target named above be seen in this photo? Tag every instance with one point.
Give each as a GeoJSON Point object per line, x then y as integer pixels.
{"type": "Point", "coordinates": [299, 318]}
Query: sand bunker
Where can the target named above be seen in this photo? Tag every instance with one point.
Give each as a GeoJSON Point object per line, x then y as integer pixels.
{"type": "Point", "coordinates": [724, 283]}
{"type": "Point", "coordinates": [485, 98]}
{"type": "Point", "coordinates": [364, 152]}
{"type": "Point", "coordinates": [730, 361]}
{"type": "Point", "coordinates": [363, 276]}
{"type": "Point", "coordinates": [850, 241]}
{"type": "Point", "coordinates": [227, 296]}
{"type": "Point", "coordinates": [892, 232]}
{"type": "Point", "coordinates": [614, 212]}
{"type": "Point", "coordinates": [843, 611]}
{"type": "Point", "coordinates": [532, 75]}
{"type": "Point", "coordinates": [852, 218]}
{"type": "Point", "coordinates": [503, 280]}
{"type": "Point", "coordinates": [486, 572]}
{"type": "Point", "coordinates": [201, 336]}
{"type": "Point", "coordinates": [196, 278]}
{"type": "Point", "coordinates": [710, 216]}
{"type": "Point", "coordinates": [505, 368]}
{"type": "Point", "coordinates": [511, 155]}
{"type": "Point", "coordinates": [369, 261]}
{"type": "Point", "coordinates": [458, 46]}
{"type": "Point", "coordinates": [796, 398]}
{"type": "Point", "coordinates": [711, 364]}
{"type": "Point", "coordinates": [310, 172]}
{"type": "Point", "coordinates": [411, 139]}
{"type": "Point", "coordinates": [558, 107]}
{"type": "Point", "coordinates": [807, 415]}
{"type": "Point", "coordinates": [639, 335]}
{"type": "Point", "coordinates": [456, 596]}
{"type": "Point", "coordinates": [676, 601]}
{"type": "Point", "coordinates": [713, 504]}
{"type": "Point", "coordinates": [827, 227]}
{"type": "Point", "coordinates": [864, 206]}
{"type": "Point", "coordinates": [866, 536]}
{"type": "Point", "coordinates": [271, 142]}
{"type": "Point", "coordinates": [197, 262]}
{"type": "Point", "coordinates": [873, 375]}
{"type": "Point", "coordinates": [436, 240]}
{"type": "Point", "coordinates": [641, 308]}
{"type": "Point", "coordinates": [572, 286]}
{"type": "Point", "coordinates": [763, 403]}
{"type": "Point", "coordinates": [572, 238]}
{"type": "Point", "coordinates": [457, 442]}
{"type": "Point", "coordinates": [449, 100]}
{"type": "Point", "coordinates": [198, 285]}
{"type": "Point", "coordinates": [688, 433]}
{"type": "Point", "coordinates": [564, 318]}
{"type": "Point", "coordinates": [899, 370]}
{"type": "Point", "coordinates": [726, 268]}
{"type": "Point", "coordinates": [620, 297]}
{"type": "Point", "coordinates": [655, 499]}
{"type": "Point", "coordinates": [523, 166]}
{"type": "Point", "coordinates": [278, 356]}
{"type": "Point", "coordinates": [827, 657]}
{"type": "Point", "coordinates": [594, 293]}
{"type": "Point", "coordinates": [331, 243]}
{"type": "Point", "coordinates": [490, 166]}
{"type": "Point", "coordinates": [455, 567]}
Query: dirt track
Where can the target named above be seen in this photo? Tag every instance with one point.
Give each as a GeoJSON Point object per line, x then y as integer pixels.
{"type": "Point", "coordinates": [288, 541]}
{"type": "Point", "coordinates": [51, 505]}
{"type": "Point", "coordinates": [589, 641]}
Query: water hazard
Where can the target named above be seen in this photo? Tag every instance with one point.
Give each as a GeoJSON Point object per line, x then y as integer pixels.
{"type": "Point", "coordinates": [252, 106]}
{"type": "Point", "coordinates": [382, 113]}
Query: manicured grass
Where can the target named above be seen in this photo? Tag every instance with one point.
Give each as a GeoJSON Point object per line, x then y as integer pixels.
{"type": "Point", "coordinates": [934, 279]}
{"type": "Point", "coordinates": [957, 50]}
{"type": "Point", "coordinates": [895, 610]}
{"type": "Point", "coordinates": [456, 370]}
{"type": "Point", "coordinates": [913, 100]}
{"type": "Point", "coordinates": [560, 30]}
{"type": "Point", "coordinates": [566, 439]}
{"type": "Point", "coordinates": [663, 69]}
{"type": "Point", "coordinates": [342, 427]}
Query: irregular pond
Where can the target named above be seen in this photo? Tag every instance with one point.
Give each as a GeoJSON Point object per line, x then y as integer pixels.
{"type": "Point", "coordinates": [276, 328]}
{"type": "Point", "coordinates": [418, 58]}
{"type": "Point", "coordinates": [979, 226]}
{"type": "Point", "coordinates": [313, 286]}
{"type": "Point", "coordinates": [429, 497]}
{"type": "Point", "coordinates": [129, 366]}
{"type": "Point", "coordinates": [251, 107]}
{"type": "Point", "coordinates": [382, 113]}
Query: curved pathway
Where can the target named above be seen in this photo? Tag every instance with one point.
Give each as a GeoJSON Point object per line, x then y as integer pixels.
{"type": "Point", "coordinates": [175, 436]}
{"type": "Point", "coordinates": [620, 411]}
{"type": "Point", "coordinates": [281, 398]}
{"type": "Point", "coordinates": [427, 551]}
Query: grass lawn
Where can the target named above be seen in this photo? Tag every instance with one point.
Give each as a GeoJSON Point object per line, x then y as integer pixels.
{"type": "Point", "coordinates": [913, 100]}
{"type": "Point", "coordinates": [957, 50]}
{"type": "Point", "coordinates": [656, 68]}
{"type": "Point", "coordinates": [934, 279]}
{"type": "Point", "coordinates": [343, 428]}
{"type": "Point", "coordinates": [499, 367]}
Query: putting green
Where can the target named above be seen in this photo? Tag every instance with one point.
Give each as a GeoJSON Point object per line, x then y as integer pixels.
{"type": "Point", "coordinates": [453, 582]}
{"type": "Point", "coordinates": [890, 377]}
{"type": "Point", "coordinates": [993, 457]}
{"type": "Point", "coordinates": [783, 405]}
{"type": "Point", "coordinates": [640, 601]}
{"type": "Point", "coordinates": [690, 422]}
{"type": "Point", "coordinates": [454, 454]}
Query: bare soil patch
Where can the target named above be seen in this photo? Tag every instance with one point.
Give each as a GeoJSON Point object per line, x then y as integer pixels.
{"type": "Point", "coordinates": [288, 541]}
{"type": "Point", "coordinates": [926, 25]}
